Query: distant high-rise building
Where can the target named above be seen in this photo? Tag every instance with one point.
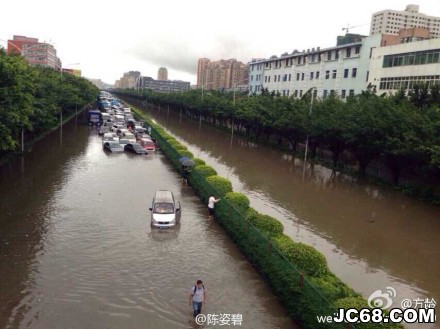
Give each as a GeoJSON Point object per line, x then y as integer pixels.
{"type": "Point", "coordinates": [128, 80]}
{"type": "Point", "coordinates": [392, 21]}
{"type": "Point", "coordinates": [222, 74]}
{"type": "Point", "coordinates": [36, 53]}
{"type": "Point", "coordinates": [162, 74]}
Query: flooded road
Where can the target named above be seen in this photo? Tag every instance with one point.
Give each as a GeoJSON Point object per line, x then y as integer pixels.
{"type": "Point", "coordinates": [373, 237]}
{"type": "Point", "coordinates": [77, 250]}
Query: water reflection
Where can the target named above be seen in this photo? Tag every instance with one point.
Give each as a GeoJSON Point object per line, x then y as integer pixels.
{"type": "Point", "coordinates": [78, 251]}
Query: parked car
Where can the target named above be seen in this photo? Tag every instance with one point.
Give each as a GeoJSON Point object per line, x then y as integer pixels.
{"type": "Point", "coordinates": [165, 211]}
{"type": "Point", "coordinates": [113, 146]}
{"type": "Point", "coordinates": [103, 129]}
{"type": "Point", "coordinates": [135, 148]}
{"type": "Point", "coordinates": [147, 144]}
{"type": "Point", "coordinates": [108, 137]}
{"type": "Point", "coordinates": [121, 131]}
{"type": "Point", "coordinates": [128, 135]}
{"type": "Point", "coordinates": [116, 126]}
{"type": "Point", "coordinates": [123, 142]}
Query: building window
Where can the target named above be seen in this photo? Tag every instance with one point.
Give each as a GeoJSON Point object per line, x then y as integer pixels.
{"type": "Point", "coordinates": [324, 93]}
{"type": "Point", "coordinates": [317, 74]}
{"type": "Point", "coordinates": [268, 80]}
{"type": "Point", "coordinates": [357, 50]}
{"type": "Point", "coordinates": [295, 94]}
{"type": "Point", "coordinates": [288, 92]}
{"type": "Point", "coordinates": [285, 77]}
{"type": "Point", "coordinates": [348, 52]}
{"type": "Point", "coordinates": [334, 74]}
{"type": "Point", "coordinates": [302, 76]}
{"type": "Point", "coordinates": [327, 74]}
{"type": "Point", "coordinates": [279, 77]}
{"type": "Point", "coordinates": [354, 72]}
{"type": "Point", "coordinates": [250, 88]}
{"type": "Point", "coordinates": [311, 75]}
{"type": "Point", "coordinates": [351, 92]}
{"type": "Point", "coordinates": [337, 54]}
{"type": "Point", "coordinates": [274, 78]}
{"type": "Point", "coordinates": [252, 78]}
{"type": "Point", "coordinates": [329, 56]}
{"type": "Point", "coordinates": [299, 60]}
{"type": "Point", "coordinates": [343, 93]}
{"type": "Point", "coordinates": [297, 77]}
{"type": "Point", "coordinates": [346, 73]}
{"type": "Point", "coordinates": [300, 93]}
{"type": "Point", "coordinates": [265, 78]}
{"type": "Point", "coordinates": [290, 76]}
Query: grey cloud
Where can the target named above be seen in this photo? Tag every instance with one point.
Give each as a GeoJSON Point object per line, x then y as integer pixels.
{"type": "Point", "coordinates": [183, 56]}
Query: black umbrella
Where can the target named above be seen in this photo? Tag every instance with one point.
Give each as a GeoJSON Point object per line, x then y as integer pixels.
{"type": "Point", "coordinates": [188, 163]}
{"type": "Point", "coordinates": [182, 159]}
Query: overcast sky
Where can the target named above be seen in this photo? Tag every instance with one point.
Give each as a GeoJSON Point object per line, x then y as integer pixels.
{"type": "Point", "coordinates": [111, 37]}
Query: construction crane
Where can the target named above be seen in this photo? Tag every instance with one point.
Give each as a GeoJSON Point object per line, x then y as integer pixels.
{"type": "Point", "coordinates": [347, 29]}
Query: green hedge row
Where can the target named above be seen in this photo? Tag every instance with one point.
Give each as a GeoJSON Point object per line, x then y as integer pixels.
{"type": "Point", "coordinates": [297, 273]}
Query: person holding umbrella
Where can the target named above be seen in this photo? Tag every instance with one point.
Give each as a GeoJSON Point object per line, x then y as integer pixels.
{"type": "Point", "coordinates": [186, 164]}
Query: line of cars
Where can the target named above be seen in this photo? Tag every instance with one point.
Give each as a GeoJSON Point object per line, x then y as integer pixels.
{"type": "Point", "coordinates": [121, 132]}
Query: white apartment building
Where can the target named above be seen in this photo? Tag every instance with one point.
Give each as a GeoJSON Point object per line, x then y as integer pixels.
{"type": "Point", "coordinates": [256, 74]}
{"type": "Point", "coordinates": [341, 69]}
{"type": "Point", "coordinates": [403, 65]}
{"type": "Point", "coordinates": [392, 21]}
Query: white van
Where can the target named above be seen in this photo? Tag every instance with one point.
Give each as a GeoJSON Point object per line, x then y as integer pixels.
{"type": "Point", "coordinates": [165, 211]}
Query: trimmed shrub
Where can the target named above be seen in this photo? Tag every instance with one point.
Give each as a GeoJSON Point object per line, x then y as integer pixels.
{"type": "Point", "coordinates": [205, 170]}
{"type": "Point", "coordinates": [331, 287]}
{"type": "Point", "coordinates": [265, 223]}
{"type": "Point", "coordinates": [239, 200]}
{"type": "Point", "coordinates": [220, 184]}
{"type": "Point", "coordinates": [359, 303]}
{"type": "Point", "coordinates": [306, 258]}
{"type": "Point", "coordinates": [185, 153]}
{"type": "Point", "coordinates": [199, 162]}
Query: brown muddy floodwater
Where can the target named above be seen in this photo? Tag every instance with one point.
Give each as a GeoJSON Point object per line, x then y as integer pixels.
{"type": "Point", "coordinates": [373, 237]}
{"type": "Point", "coordinates": [77, 250]}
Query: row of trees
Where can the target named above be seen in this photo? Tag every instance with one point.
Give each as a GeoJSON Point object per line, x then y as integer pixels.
{"type": "Point", "coordinates": [32, 98]}
{"type": "Point", "coordinates": [401, 131]}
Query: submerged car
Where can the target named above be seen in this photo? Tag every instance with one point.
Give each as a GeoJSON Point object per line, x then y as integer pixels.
{"type": "Point", "coordinates": [148, 144]}
{"type": "Point", "coordinates": [113, 146]}
{"type": "Point", "coordinates": [165, 211]}
{"type": "Point", "coordinates": [135, 148]}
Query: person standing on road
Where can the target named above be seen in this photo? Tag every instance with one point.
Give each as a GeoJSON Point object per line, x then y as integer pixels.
{"type": "Point", "coordinates": [197, 297]}
{"type": "Point", "coordinates": [211, 202]}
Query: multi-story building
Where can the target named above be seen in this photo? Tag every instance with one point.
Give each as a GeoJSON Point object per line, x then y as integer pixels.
{"type": "Point", "coordinates": [36, 53]}
{"type": "Point", "coordinates": [222, 74]}
{"type": "Point", "coordinates": [402, 65]}
{"type": "Point", "coordinates": [256, 75]}
{"type": "Point", "coordinates": [340, 69]}
{"type": "Point", "coordinates": [388, 62]}
{"type": "Point", "coordinates": [16, 44]}
{"type": "Point", "coordinates": [392, 21]}
{"type": "Point", "coordinates": [162, 73]}
{"type": "Point", "coordinates": [201, 71]}
{"type": "Point", "coordinates": [128, 80]}
{"type": "Point", "coordinates": [162, 86]}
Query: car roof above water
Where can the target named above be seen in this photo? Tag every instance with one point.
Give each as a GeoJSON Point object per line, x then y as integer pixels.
{"type": "Point", "coordinates": [164, 196]}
